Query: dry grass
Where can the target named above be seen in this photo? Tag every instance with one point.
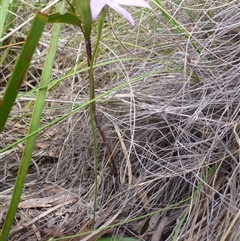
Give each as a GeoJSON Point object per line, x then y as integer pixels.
{"type": "Point", "coordinates": [166, 131]}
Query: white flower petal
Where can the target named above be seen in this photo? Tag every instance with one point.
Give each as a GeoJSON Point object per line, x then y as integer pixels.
{"type": "Point", "coordinates": [96, 7]}
{"type": "Point", "coordinates": [136, 3]}
{"type": "Point", "coordinates": [120, 10]}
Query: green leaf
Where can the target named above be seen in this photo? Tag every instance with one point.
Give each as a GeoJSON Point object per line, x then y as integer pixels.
{"type": "Point", "coordinates": [68, 17]}
{"type": "Point", "coordinates": [84, 11]}
{"type": "Point", "coordinates": [21, 66]}
{"type": "Point", "coordinates": [7, 8]}
{"type": "Point", "coordinates": [7, 102]}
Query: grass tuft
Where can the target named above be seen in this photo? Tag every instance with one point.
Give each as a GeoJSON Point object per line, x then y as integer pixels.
{"type": "Point", "coordinates": [167, 93]}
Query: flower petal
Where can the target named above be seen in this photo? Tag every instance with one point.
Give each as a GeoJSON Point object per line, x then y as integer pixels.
{"type": "Point", "coordinates": [120, 10]}
{"type": "Point", "coordinates": [96, 7]}
{"type": "Point", "coordinates": [136, 3]}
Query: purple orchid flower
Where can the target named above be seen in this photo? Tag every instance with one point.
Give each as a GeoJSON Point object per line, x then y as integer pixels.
{"type": "Point", "coordinates": [98, 5]}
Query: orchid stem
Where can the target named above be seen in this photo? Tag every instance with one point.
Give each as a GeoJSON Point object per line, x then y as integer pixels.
{"type": "Point", "coordinates": [94, 119]}
{"type": "Point", "coordinates": [93, 108]}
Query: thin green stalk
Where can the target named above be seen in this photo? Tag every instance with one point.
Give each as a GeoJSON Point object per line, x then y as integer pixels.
{"type": "Point", "coordinates": [6, 17]}
{"type": "Point", "coordinates": [92, 96]}
{"type": "Point", "coordinates": [7, 10]}
{"type": "Point", "coordinates": [86, 27]}
{"type": "Point", "coordinates": [92, 106]}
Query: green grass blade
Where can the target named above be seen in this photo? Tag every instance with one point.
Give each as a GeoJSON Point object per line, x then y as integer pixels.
{"type": "Point", "coordinates": [68, 17]}
{"type": "Point", "coordinates": [3, 14]}
{"type": "Point", "coordinates": [84, 11]}
{"type": "Point", "coordinates": [7, 7]}
{"type": "Point", "coordinates": [91, 111]}
{"type": "Point", "coordinates": [78, 107]}
{"type": "Point", "coordinates": [8, 100]}
{"type": "Point", "coordinates": [35, 120]}
{"type": "Point", "coordinates": [179, 29]}
{"type": "Point", "coordinates": [21, 67]}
